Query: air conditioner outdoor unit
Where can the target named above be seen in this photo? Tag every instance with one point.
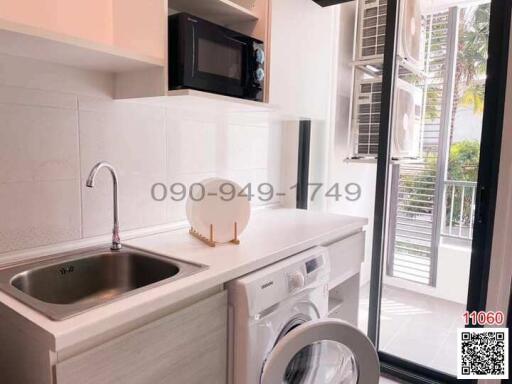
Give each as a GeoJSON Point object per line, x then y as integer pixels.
{"type": "Point", "coordinates": [366, 117]}
{"type": "Point", "coordinates": [372, 30]}
{"type": "Point", "coordinates": [406, 121]}
{"type": "Point", "coordinates": [410, 43]}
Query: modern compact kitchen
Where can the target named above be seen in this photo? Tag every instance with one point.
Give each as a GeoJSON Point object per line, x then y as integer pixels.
{"type": "Point", "coordinates": [190, 192]}
{"type": "Point", "coordinates": [126, 255]}
{"type": "Point", "coordinates": [153, 335]}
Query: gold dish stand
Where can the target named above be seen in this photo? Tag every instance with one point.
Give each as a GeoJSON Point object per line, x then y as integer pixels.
{"type": "Point", "coordinates": [210, 241]}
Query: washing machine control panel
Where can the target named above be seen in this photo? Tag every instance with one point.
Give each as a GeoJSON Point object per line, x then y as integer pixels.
{"type": "Point", "coordinates": [313, 264]}
{"type": "Point", "coordinates": [275, 283]}
{"type": "Point", "coordinates": [305, 274]}
{"type": "Point", "coordinates": [296, 280]}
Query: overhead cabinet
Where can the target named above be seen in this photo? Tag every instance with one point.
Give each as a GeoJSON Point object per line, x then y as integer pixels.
{"type": "Point", "coordinates": [106, 35]}
{"type": "Point", "coordinates": [126, 37]}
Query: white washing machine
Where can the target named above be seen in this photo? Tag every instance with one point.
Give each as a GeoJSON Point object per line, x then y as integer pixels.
{"type": "Point", "coordinates": [279, 332]}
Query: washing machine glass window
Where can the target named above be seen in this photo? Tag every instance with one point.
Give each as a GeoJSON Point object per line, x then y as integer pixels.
{"type": "Point", "coordinates": [294, 323]}
{"type": "Point", "coordinates": [323, 361]}
{"type": "Point", "coordinates": [324, 351]}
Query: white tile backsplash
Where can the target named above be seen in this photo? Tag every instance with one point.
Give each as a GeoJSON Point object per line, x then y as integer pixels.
{"type": "Point", "coordinates": [129, 136]}
{"type": "Point", "coordinates": [247, 146]}
{"type": "Point", "coordinates": [38, 143]}
{"type": "Point", "coordinates": [136, 207]}
{"type": "Point", "coordinates": [191, 145]}
{"type": "Point", "coordinates": [38, 213]}
{"type": "Point", "coordinates": [57, 122]}
{"type": "Point", "coordinates": [38, 98]}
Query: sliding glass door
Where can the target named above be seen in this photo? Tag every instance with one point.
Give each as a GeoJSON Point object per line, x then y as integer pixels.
{"type": "Point", "coordinates": [441, 106]}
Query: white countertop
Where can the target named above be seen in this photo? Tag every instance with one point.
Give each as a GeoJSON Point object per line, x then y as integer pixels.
{"type": "Point", "coordinates": [271, 235]}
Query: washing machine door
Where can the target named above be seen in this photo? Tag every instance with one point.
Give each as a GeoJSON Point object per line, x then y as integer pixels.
{"type": "Point", "coordinates": [325, 351]}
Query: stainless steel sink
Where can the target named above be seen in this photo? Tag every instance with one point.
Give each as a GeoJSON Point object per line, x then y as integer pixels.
{"type": "Point", "coordinates": [71, 283]}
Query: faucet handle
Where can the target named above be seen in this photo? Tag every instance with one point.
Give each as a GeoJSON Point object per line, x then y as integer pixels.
{"type": "Point", "coordinates": [116, 241]}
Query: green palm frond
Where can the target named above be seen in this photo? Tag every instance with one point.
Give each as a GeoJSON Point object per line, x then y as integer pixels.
{"type": "Point", "coordinates": [473, 97]}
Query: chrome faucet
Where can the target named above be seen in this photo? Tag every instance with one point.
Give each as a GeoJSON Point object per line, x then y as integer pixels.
{"type": "Point", "coordinates": [116, 241]}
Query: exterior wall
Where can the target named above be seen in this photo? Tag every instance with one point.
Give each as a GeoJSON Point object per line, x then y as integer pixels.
{"type": "Point", "coordinates": [452, 276]}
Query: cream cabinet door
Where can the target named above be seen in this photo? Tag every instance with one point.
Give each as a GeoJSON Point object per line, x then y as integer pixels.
{"type": "Point", "coordinates": [346, 257]}
{"type": "Point", "coordinates": [185, 347]}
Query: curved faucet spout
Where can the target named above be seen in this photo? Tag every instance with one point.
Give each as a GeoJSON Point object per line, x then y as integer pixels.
{"type": "Point", "coordinates": [116, 241]}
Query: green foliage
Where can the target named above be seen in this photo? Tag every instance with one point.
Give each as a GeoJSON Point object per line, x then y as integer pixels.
{"type": "Point", "coordinates": [473, 97]}
{"type": "Point", "coordinates": [462, 166]}
{"type": "Point", "coordinates": [470, 88]}
{"type": "Point", "coordinates": [474, 34]}
{"type": "Point", "coordinates": [464, 156]}
{"type": "Point", "coordinates": [463, 160]}
{"type": "Point", "coordinates": [472, 56]}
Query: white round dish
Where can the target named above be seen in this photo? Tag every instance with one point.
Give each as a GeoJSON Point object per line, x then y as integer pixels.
{"type": "Point", "coordinates": [217, 202]}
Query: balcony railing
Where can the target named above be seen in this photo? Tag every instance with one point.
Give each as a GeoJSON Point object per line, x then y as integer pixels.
{"type": "Point", "coordinates": [459, 209]}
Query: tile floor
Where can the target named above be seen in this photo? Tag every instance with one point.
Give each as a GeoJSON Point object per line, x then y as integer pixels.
{"type": "Point", "coordinates": [417, 327]}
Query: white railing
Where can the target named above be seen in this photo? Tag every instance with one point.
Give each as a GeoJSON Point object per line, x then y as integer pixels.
{"type": "Point", "coordinates": [459, 209]}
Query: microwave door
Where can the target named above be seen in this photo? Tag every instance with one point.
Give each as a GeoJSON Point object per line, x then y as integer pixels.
{"type": "Point", "coordinates": [218, 63]}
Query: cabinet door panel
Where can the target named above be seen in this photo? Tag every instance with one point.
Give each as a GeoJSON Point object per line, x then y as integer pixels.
{"type": "Point", "coordinates": [188, 346]}
{"type": "Point", "coordinates": [346, 257]}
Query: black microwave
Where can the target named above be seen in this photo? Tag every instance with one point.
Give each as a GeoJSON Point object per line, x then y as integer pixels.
{"type": "Point", "coordinates": [208, 57]}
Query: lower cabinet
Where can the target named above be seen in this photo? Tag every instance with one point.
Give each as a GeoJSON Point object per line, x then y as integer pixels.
{"type": "Point", "coordinates": [185, 347]}
{"type": "Point", "coordinates": [346, 256]}
{"type": "Point", "coordinates": [344, 300]}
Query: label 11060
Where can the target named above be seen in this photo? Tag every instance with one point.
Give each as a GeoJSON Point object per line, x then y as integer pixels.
{"type": "Point", "coordinates": [484, 318]}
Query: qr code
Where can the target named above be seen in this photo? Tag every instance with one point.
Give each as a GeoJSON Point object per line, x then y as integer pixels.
{"type": "Point", "coordinates": [482, 353]}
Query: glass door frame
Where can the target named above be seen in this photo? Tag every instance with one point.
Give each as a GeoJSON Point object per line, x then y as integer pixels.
{"type": "Point", "coordinates": [492, 126]}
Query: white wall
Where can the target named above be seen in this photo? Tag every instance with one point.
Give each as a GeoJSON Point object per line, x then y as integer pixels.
{"type": "Point", "coordinates": [304, 53]}
{"type": "Point", "coordinates": [303, 36]}
{"type": "Point", "coordinates": [57, 122]}
{"type": "Point", "coordinates": [341, 171]}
